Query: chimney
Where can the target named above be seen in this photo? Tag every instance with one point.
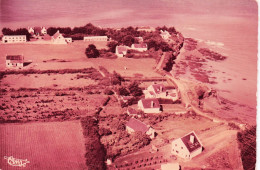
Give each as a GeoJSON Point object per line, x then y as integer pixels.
{"type": "Point", "coordinates": [152, 103]}
{"type": "Point", "coordinates": [191, 138]}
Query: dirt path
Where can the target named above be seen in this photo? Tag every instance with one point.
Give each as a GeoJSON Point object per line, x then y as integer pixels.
{"type": "Point", "coordinates": [160, 62]}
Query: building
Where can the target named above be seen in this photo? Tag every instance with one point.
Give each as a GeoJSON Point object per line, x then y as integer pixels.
{"type": "Point", "coordinates": [134, 125]}
{"type": "Point", "coordinates": [44, 30]}
{"type": "Point", "coordinates": [14, 61]}
{"type": "Point", "coordinates": [58, 38]}
{"type": "Point", "coordinates": [30, 30]}
{"type": "Point", "coordinates": [132, 112]}
{"type": "Point", "coordinates": [14, 38]}
{"type": "Point", "coordinates": [165, 34]}
{"type": "Point", "coordinates": [139, 47]}
{"type": "Point", "coordinates": [187, 146]}
{"type": "Point", "coordinates": [121, 51]}
{"type": "Point", "coordinates": [68, 39]}
{"type": "Point", "coordinates": [146, 29]}
{"type": "Point", "coordinates": [46, 37]}
{"type": "Point", "coordinates": [96, 38]}
{"type": "Point", "coordinates": [159, 91]}
{"type": "Point", "coordinates": [170, 166]}
{"type": "Point", "coordinates": [139, 39]}
{"type": "Point", "coordinates": [150, 105]}
{"type": "Point", "coordinates": [37, 31]}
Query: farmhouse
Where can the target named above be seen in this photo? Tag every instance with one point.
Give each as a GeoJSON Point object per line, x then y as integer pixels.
{"type": "Point", "coordinates": [121, 51]}
{"type": "Point", "coordinates": [187, 146]}
{"type": "Point", "coordinates": [149, 105]}
{"type": "Point", "coordinates": [139, 47]}
{"type": "Point", "coordinates": [14, 61]}
{"type": "Point", "coordinates": [159, 91]}
{"type": "Point", "coordinates": [96, 38]}
{"type": "Point", "coordinates": [58, 38]}
{"type": "Point", "coordinates": [135, 125]}
{"type": "Point", "coordinates": [14, 38]}
{"type": "Point", "coordinates": [165, 34]}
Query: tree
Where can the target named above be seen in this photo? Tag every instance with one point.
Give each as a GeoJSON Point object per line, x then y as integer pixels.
{"type": "Point", "coordinates": [122, 91]}
{"type": "Point", "coordinates": [134, 89]}
{"type": "Point", "coordinates": [7, 31]}
{"type": "Point", "coordinates": [92, 52]}
{"type": "Point", "coordinates": [116, 79]}
{"type": "Point", "coordinates": [128, 40]}
{"type": "Point", "coordinates": [51, 31]}
{"type": "Point", "coordinates": [112, 46]}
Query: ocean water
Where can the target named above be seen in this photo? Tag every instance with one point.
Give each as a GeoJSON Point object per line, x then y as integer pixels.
{"type": "Point", "coordinates": [228, 26]}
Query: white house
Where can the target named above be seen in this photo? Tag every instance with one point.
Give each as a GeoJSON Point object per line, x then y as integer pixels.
{"type": "Point", "coordinates": [96, 38]}
{"type": "Point", "coordinates": [30, 30]}
{"type": "Point", "coordinates": [187, 146]}
{"type": "Point", "coordinates": [58, 38]}
{"type": "Point", "coordinates": [165, 34]}
{"type": "Point", "coordinates": [134, 125]}
{"type": "Point", "coordinates": [139, 47]}
{"type": "Point", "coordinates": [14, 61]}
{"type": "Point", "coordinates": [14, 38]}
{"type": "Point", "coordinates": [159, 91]}
{"type": "Point", "coordinates": [121, 51]}
{"type": "Point", "coordinates": [149, 105]}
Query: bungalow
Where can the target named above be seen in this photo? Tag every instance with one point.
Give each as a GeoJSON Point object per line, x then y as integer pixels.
{"type": "Point", "coordinates": [134, 125]}
{"type": "Point", "coordinates": [139, 47]}
{"type": "Point", "coordinates": [121, 51]}
{"type": "Point", "coordinates": [96, 38]}
{"type": "Point", "coordinates": [187, 146]}
{"type": "Point", "coordinates": [14, 38]}
{"type": "Point", "coordinates": [14, 61]}
{"type": "Point", "coordinates": [159, 91]}
{"type": "Point", "coordinates": [58, 38]}
{"type": "Point", "coordinates": [149, 105]}
{"type": "Point", "coordinates": [165, 34]}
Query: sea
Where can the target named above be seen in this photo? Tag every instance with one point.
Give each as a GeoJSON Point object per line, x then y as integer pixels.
{"type": "Point", "coordinates": [230, 27]}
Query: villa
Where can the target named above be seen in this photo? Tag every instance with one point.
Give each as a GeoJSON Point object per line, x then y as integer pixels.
{"type": "Point", "coordinates": [134, 125]}
{"type": "Point", "coordinates": [14, 61]}
{"type": "Point", "coordinates": [149, 105]}
{"type": "Point", "coordinates": [187, 147]}
{"type": "Point", "coordinates": [14, 38]}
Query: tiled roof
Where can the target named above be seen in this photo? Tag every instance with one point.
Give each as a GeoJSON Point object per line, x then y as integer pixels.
{"type": "Point", "coordinates": [147, 103]}
{"type": "Point", "coordinates": [191, 146]}
{"type": "Point", "coordinates": [137, 125]}
{"type": "Point", "coordinates": [157, 88]}
{"type": "Point", "coordinates": [15, 57]}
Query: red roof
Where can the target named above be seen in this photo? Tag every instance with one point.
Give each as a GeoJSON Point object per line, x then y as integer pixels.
{"type": "Point", "coordinates": [131, 111]}
{"type": "Point", "coordinates": [47, 37]}
{"type": "Point", "coordinates": [158, 88]}
{"type": "Point", "coordinates": [56, 34]}
{"type": "Point", "coordinates": [142, 45]}
{"type": "Point", "coordinates": [150, 103]}
{"type": "Point", "coordinates": [121, 49]}
{"type": "Point", "coordinates": [191, 146]}
{"type": "Point", "coordinates": [137, 125]}
{"type": "Point", "coordinates": [15, 57]}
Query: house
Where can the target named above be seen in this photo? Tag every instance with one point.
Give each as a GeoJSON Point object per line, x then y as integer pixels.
{"type": "Point", "coordinates": [139, 39]}
{"type": "Point", "coordinates": [159, 91]}
{"type": "Point", "coordinates": [96, 38]}
{"type": "Point", "coordinates": [187, 146]}
{"type": "Point", "coordinates": [170, 166]}
{"type": "Point", "coordinates": [43, 30]}
{"type": "Point", "coordinates": [134, 125]}
{"type": "Point", "coordinates": [58, 38]}
{"type": "Point", "coordinates": [121, 51]}
{"type": "Point", "coordinates": [132, 112]}
{"type": "Point", "coordinates": [14, 61]}
{"type": "Point", "coordinates": [30, 30]}
{"type": "Point", "coordinates": [14, 38]}
{"type": "Point", "coordinates": [46, 37]}
{"type": "Point", "coordinates": [139, 47]}
{"type": "Point", "coordinates": [150, 105]}
{"type": "Point", "coordinates": [146, 29]}
{"type": "Point", "coordinates": [165, 34]}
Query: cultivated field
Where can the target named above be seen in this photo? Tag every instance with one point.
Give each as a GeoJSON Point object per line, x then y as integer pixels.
{"type": "Point", "coordinates": [53, 145]}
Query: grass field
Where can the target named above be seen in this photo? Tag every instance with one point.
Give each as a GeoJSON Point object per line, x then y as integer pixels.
{"type": "Point", "coordinates": [53, 145]}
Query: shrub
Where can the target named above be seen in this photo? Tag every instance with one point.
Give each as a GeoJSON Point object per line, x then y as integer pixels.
{"type": "Point", "coordinates": [92, 52]}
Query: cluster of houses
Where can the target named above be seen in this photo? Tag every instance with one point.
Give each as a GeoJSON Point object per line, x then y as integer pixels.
{"type": "Point", "coordinates": [187, 146]}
